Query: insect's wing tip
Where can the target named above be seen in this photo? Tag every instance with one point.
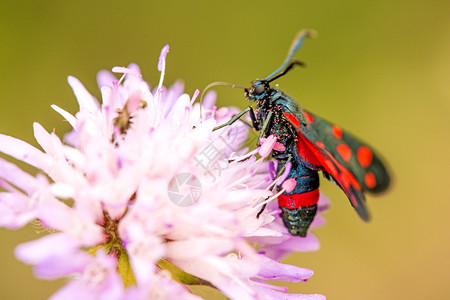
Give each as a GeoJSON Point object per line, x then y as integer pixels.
{"type": "Point", "coordinates": [364, 215]}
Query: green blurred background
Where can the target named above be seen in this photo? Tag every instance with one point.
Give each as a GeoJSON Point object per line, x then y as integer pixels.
{"type": "Point", "coordinates": [378, 68]}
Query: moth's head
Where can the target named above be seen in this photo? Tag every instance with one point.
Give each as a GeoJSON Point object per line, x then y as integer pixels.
{"type": "Point", "coordinates": [258, 90]}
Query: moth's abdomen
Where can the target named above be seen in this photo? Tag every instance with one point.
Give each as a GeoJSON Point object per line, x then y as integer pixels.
{"type": "Point", "coordinates": [298, 220]}
{"type": "Point", "coordinates": [299, 206]}
{"type": "Point", "coordinates": [298, 211]}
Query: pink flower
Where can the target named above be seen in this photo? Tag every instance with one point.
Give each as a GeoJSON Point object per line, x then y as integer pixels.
{"type": "Point", "coordinates": [143, 192]}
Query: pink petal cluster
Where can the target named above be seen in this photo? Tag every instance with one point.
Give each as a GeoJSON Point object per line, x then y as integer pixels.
{"type": "Point", "coordinates": [109, 197]}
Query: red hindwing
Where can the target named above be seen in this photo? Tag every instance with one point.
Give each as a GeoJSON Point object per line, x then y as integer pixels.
{"type": "Point", "coordinates": [353, 165]}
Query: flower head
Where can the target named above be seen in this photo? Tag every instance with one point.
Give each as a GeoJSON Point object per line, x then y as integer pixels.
{"type": "Point", "coordinates": [143, 198]}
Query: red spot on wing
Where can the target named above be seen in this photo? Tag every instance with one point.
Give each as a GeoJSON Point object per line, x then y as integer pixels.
{"type": "Point", "coordinates": [337, 131]}
{"type": "Point", "coordinates": [309, 117]}
{"type": "Point", "coordinates": [344, 151]}
{"type": "Point", "coordinates": [299, 200]}
{"type": "Point", "coordinates": [320, 145]}
{"type": "Point", "coordinates": [292, 119]}
{"type": "Point", "coordinates": [370, 180]}
{"type": "Point", "coordinates": [364, 156]}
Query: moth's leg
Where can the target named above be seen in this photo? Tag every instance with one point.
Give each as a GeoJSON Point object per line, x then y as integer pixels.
{"type": "Point", "coordinates": [265, 126]}
{"type": "Point", "coordinates": [238, 116]}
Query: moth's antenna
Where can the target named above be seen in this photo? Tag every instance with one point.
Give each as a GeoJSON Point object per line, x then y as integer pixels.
{"type": "Point", "coordinates": [288, 68]}
{"type": "Point", "coordinates": [298, 41]}
{"type": "Point", "coordinates": [217, 83]}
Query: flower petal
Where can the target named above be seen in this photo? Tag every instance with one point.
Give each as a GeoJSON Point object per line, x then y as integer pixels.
{"type": "Point", "coordinates": [57, 244]}
{"type": "Point", "coordinates": [23, 151]}
{"type": "Point", "coordinates": [273, 270]}
{"type": "Point", "coordinates": [275, 295]}
{"type": "Point", "coordinates": [16, 176]}
{"type": "Point", "coordinates": [86, 101]}
{"type": "Point", "coordinates": [15, 211]}
{"type": "Point", "coordinates": [62, 265]}
{"type": "Point", "coordinates": [68, 116]}
{"type": "Point", "coordinates": [105, 78]}
{"type": "Point", "coordinates": [292, 244]}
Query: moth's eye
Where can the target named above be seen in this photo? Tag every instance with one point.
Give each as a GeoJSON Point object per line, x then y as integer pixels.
{"type": "Point", "coordinates": [259, 89]}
